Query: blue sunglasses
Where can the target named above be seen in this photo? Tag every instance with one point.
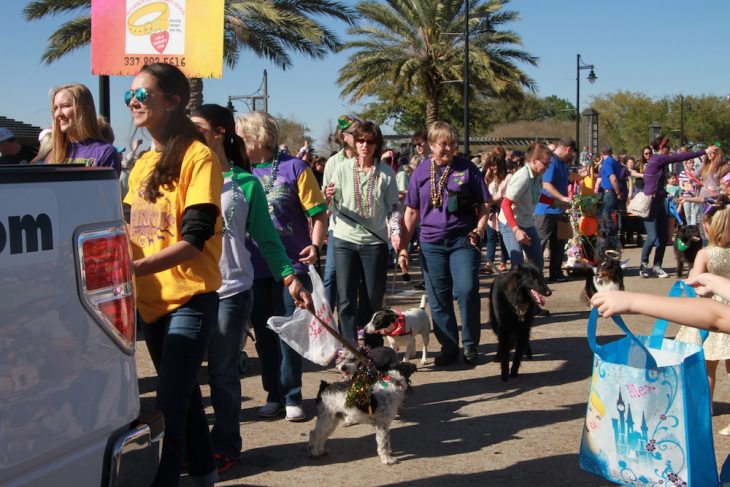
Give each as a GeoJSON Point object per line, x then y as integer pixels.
{"type": "Point", "coordinates": [141, 94]}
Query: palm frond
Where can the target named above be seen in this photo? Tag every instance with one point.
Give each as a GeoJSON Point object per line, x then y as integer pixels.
{"type": "Point", "coordinates": [72, 35]}
{"type": "Point", "coordinates": [43, 8]}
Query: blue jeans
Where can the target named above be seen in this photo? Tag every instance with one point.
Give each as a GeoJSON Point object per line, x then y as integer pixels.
{"type": "Point", "coordinates": [224, 352]}
{"type": "Point", "coordinates": [533, 251]}
{"type": "Point", "coordinates": [493, 237]}
{"type": "Point", "coordinates": [357, 264]}
{"type": "Point", "coordinates": [281, 366]}
{"type": "Point", "coordinates": [657, 232]}
{"type": "Point", "coordinates": [177, 343]}
{"type": "Point", "coordinates": [330, 277]}
{"type": "Point", "coordinates": [451, 268]}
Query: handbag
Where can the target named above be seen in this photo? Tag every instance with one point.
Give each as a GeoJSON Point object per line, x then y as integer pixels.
{"type": "Point", "coordinates": [648, 414]}
{"type": "Point", "coordinates": [564, 228]}
{"type": "Point", "coordinates": [640, 204]}
{"type": "Point", "coordinates": [303, 332]}
{"type": "Point", "coordinates": [461, 204]}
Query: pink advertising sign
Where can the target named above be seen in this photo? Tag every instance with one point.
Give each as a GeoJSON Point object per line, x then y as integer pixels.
{"type": "Point", "coordinates": [127, 34]}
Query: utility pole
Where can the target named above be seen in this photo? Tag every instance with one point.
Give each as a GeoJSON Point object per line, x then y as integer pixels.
{"type": "Point", "coordinates": [466, 78]}
{"type": "Point", "coordinates": [266, 91]}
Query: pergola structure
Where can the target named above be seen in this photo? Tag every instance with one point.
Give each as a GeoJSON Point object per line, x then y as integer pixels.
{"type": "Point", "coordinates": [25, 134]}
{"type": "Point", "coordinates": [403, 142]}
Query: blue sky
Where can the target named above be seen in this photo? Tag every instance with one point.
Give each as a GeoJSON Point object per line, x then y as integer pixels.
{"type": "Point", "coordinates": [658, 47]}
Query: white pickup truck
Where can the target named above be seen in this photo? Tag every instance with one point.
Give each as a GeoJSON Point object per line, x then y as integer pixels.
{"type": "Point", "coordinates": [69, 401]}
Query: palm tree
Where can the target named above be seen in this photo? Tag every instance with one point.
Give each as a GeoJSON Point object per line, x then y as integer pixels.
{"type": "Point", "coordinates": [268, 28]}
{"type": "Point", "coordinates": [418, 46]}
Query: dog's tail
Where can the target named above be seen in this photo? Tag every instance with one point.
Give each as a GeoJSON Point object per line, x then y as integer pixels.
{"type": "Point", "coordinates": [423, 302]}
{"type": "Point", "coordinates": [322, 386]}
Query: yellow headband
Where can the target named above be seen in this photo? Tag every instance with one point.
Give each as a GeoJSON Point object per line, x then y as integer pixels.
{"type": "Point", "coordinates": [161, 22]}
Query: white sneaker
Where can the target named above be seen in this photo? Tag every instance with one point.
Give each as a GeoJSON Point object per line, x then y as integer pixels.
{"type": "Point", "coordinates": [295, 414]}
{"type": "Point", "coordinates": [725, 431]}
{"type": "Point", "coordinates": [270, 410]}
{"type": "Point", "coordinates": [659, 272]}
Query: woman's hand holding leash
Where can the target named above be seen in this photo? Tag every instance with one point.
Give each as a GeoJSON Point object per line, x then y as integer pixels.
{"type": "Point", "coordinates": [403, 261]}
{"type": "Point", "coordinates": [475, 236]}
{"type": "Point", "coordinates": [302, 298]}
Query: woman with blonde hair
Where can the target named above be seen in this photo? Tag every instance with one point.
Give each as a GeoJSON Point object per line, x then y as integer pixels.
{"type": "Point", "coordinates": [294, 202]}
{"type": "Point", "coordinates": [449, 197]}
{"type": "Point", "coordinates": [77, 138]}
{"type": "Point", "coordinates": [715, 258]}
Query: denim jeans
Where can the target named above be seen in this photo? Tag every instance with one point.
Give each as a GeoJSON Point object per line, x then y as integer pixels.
{"type": "Point", "coordinates": [493, 237]}
{"type": "Point", "coordinates": [330, 277]}
{"type": "Point", "coordinates": [692, 213]}
{"type": "Point", "coordinates": [533, 251]}
{"type": "Point", "coordinates": [547, 229]}
{"type": "Point", "coordinates": [656, 232]}
{"type": "Point", "coordinates": [355, 264]}
{"type": "Point", "coordinates": [451, 268]}
{"type": "Point", "coordinates": [224, 352]}
{"type": "Point", "coordinates": [177, 343]}
{"type": "Point", "coordinates": [281, 366]}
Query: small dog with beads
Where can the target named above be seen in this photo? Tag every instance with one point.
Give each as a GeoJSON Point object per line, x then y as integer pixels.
{"type": "Point", "coordinates": [369, 396]}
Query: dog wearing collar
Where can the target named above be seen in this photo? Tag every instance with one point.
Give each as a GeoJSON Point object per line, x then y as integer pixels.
{"type": "Point", "coordinates": [687, 243]}
{"type": "Point", "coordinates": [380, 397]}
{"type": "Point", "coordinates": [400, 329]}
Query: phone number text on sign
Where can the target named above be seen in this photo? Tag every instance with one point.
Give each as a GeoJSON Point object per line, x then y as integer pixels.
{"type": "Point", "coordinates": [142, 60]}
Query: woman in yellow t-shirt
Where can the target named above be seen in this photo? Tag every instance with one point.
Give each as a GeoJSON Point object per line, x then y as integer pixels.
{"type": "Point", "coordinates": [174, 198]}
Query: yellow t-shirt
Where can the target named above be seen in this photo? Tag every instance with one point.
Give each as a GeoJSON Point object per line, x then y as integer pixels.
{"type": "Point", "coordinates": [155, 226]}
{"type": "Point", "coordinates": [589, 183]}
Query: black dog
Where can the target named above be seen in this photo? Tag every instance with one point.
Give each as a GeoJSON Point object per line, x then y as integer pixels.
{"type": "Point", "coordinates": [513, 301]}
{"type": "Point", "coordinates": [687, 243]}
{"type": "Point", "coordinates": [608, 276]}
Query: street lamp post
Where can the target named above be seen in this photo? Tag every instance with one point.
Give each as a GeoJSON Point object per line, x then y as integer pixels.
{"type": "Point", "coordinates": [466, 78]}
{"type": "Point", "coordinates": [579, 66]}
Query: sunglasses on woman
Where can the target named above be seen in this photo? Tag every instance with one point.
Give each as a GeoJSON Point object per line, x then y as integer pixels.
{"type": "Point", "coordinates": [140, 94]}
{"type": "Point", "coordinates": [366, 141]}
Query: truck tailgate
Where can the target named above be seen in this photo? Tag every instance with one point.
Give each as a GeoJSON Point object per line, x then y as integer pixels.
{"type": "Point", "coordinates": [65, 383]}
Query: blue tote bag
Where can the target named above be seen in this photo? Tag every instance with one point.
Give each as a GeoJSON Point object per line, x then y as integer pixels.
{"type": "Point", "coordinates": [648, 416]}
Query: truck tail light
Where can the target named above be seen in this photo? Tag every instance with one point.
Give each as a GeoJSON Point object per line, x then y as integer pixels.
{"type": "Point", "coordinates": [107, 289]}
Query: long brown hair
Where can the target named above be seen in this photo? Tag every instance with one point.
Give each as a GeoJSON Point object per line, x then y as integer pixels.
{"type": "Point", "coordinates": [178, 131]}
{"type": "Point", "coordinates": [86, 124]}
{"type": "Point", "coordinates": [220, 117]}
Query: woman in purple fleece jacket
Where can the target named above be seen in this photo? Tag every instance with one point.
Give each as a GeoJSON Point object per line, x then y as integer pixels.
{"type": "Point", "coordinates": [654, 183]}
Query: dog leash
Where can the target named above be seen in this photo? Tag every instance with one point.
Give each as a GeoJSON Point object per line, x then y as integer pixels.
{"type": "Point", "coordinates": [392, 287]}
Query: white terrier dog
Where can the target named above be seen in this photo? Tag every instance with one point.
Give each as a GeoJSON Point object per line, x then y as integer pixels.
{"type": "Point", "coordinates": [400, 328]}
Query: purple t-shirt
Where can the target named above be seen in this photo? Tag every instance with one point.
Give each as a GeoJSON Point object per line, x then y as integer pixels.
{"type": "Point", "coordinates": [654, 177]}
{"type": "Point", "coordinates": [94, 153]}
{"type": "Point", "coordinates": [292, 197]}
{"type": "Point", "coordinates": [437, 223]}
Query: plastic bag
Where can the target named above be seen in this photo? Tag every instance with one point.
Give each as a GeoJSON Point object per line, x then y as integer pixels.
{"type": "Point", "coordinates": [302, 332]}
